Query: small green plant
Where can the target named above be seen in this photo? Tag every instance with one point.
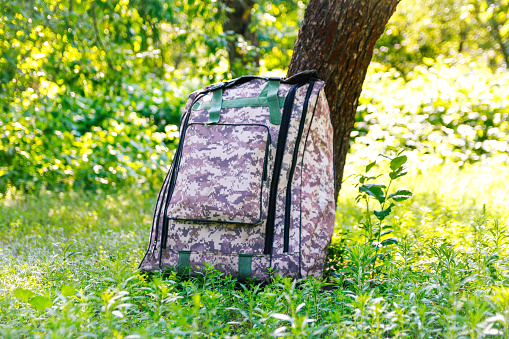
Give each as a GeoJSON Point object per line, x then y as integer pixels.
{"type": "Point", "coordinates": [379, 201]}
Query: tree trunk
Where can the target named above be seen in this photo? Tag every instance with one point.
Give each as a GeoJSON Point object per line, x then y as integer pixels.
{"type": "Point", "coordinates": [238, 22]}
{"type": "Point", "coordinates": [497, 34]}
{"type": "Point", "coordinates": [337, 38]}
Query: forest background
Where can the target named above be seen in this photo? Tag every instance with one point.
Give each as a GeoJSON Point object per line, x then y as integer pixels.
{"type": "Point", "coordinates": [91, 92]}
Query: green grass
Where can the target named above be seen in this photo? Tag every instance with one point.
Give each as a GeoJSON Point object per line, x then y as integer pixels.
{"type": "Point", "coordinates": [68, 269]}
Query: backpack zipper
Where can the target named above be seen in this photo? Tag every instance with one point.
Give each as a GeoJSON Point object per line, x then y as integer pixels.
{"type": "Point", "coordinates": [288, 203]}
{"type": "Point", "coordinates": [266, 158]}
{"type": "Point", "coordinates": [281, 142]}
{"type": "Point", "coordinates": [157, 216]}
{"type": "Point", "coordinates": [164, 234]}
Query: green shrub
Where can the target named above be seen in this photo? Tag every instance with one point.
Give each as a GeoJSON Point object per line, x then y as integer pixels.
{"type": "Point", "coordinates": [99, 142]}
{"type": "Point", "coordinates": [452, 111]}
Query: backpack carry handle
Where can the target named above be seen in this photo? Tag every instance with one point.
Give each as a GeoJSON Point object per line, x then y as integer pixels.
{"type": "Point", "coordinates": [215, 106]}
{"type": "Point", "coordinates": [268, 97]}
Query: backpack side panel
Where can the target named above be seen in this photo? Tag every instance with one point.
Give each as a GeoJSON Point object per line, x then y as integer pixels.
{"type": "Point", "coordinates": [318, 203]}
{"type": "Point", "coordinates": [295, 221]}
{"type": "Point", "coordinates": [287, 263]}
{"type": "Point", "coordinates": [150, 261]}
{"type": "Point", "coordinates": [293, 129]}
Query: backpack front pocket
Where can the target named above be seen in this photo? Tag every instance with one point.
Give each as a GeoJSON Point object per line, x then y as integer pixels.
{"type": "Point", "coordinates": [221, 174]}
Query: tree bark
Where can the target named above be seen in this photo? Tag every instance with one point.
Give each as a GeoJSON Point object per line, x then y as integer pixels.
{"type": "Point", "coordinates": [337, 38]}
{"type": "Point", "coordinates": [238, 22]}
{"type": "Point", "coordinates": [496, 32]}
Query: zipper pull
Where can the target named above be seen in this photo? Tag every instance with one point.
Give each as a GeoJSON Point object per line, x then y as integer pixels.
{"type": "Point", "coordinates": [266, 160]}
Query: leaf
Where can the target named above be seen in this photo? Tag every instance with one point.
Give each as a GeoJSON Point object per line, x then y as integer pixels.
{"type": "Point", "coordinates": [68, 291]}
{"type": "Point", "coordinates": [468, 279]}
{"type": "Point", "coordinates": [386, 232]}
{"type": "Point", "coordinates": [299, 307]}
{"type": "Point", "coordinates": [384, 213]}
{"type": "Point", "coordinates": [374, 190]}
{"type": "Point", "coordinates": [70, 254]}
{"type": "Point", "coordinates": [279, 332]}
{"type": "Point", "coordinates": [399, 172]}
{"type": "Point", "coordinates": [398, 162]}
{"type": "Point", "coordinates": [40, 303]}
{"type": "Point", "coordinates": [282, 316]}
{"type": "Point", "coordinates": [495, 318]}
{"type": "Point", "coordinates": [118, 314]}
{"type": "Point", "coordinates": [492, 259]}
{"type": "Point", "coordinates": [390, 241]}
{"type": "Point", "coordinates": [401, 195]}
{"type": "Point", "coordinates": [22, 294]}
{"type": "Point", "coordinates": [370, 166]}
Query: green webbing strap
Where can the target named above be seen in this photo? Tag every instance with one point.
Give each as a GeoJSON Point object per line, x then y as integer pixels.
{"type": "Point", "coordinates": [268, 98]}
{"type": "Point", "coordinates": [245, 261]}
{"type": "Point", "coordinates": [215, 105]}
{"type": "Point", "coordinates": [265, 90]}
{"type": "Point", "coordinates": [240, 102]}
{"type": "Point", "coordinates": [275, 114]}
{"type": "Point", "coordinates": [183, 261]}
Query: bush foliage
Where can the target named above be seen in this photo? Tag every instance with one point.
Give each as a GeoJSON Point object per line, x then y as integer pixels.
{"type": "Point", "coordinates": [91, 91]}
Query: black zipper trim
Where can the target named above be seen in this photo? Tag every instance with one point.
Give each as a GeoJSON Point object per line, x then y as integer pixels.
{"type": "Point", "coordinates": [164, 234]}
{"type": "Point", "coordinates": [288, 202]}
{"type": "Point", "coordinates": [155, 222]}
{"type": "Point", "coordinates": [157, 212]}
{"type": "Point", "coordinates": [281, 142]}
{"type": "Point", "coordinates": [176, 160]}
{"type": "Point", "coordinates": [218, 221]}
{"type": "Point", "coordinates": [265, 158]}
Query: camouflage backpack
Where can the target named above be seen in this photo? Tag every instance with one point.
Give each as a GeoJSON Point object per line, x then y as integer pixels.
{"type": "Point", "coordinates": [251, 186]}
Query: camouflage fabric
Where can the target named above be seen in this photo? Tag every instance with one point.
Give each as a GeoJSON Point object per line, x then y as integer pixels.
{"type": "Point", "coordinates": [214, 201]}
{"type": "Point", "coordinates": [221, 179]}
{"type": "Point", "coordinates": [317, 203]}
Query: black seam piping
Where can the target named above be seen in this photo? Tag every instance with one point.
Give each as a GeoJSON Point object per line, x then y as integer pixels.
{"type": "Point", "coordinates": [288, 201]}
{"type": "Point", "coordinates": [281, 143]}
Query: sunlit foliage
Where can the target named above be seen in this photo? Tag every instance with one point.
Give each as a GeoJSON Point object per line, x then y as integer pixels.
{"type": "Point", "coordinates": [91, 91]}
{"type": "Point", "coordinates": [421, 31]}
{"type": "Point", "coordinates": [450, 111]}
